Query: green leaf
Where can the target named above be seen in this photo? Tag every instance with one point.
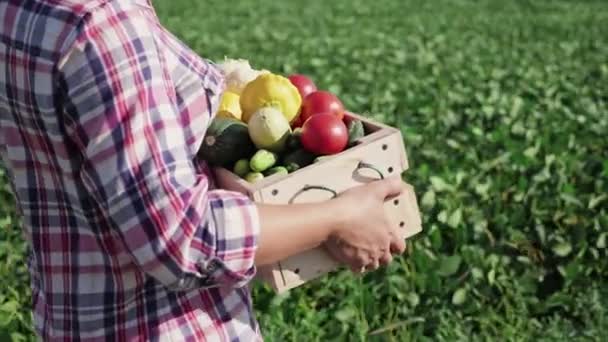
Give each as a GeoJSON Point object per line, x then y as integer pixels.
{"type": "Point", "coordinates": [569, 199]}
{"type": "Point", "coordinates": [601, 241]}
{"type": "Point", "coordinates": [435, 237]}
{"type": "Point", "coordinates": [5, 221]}
{"type": "Point", "coordinates": [460, 177]}
{"type": "Point", "coordinates": [476, 273]}
{"type": "Point", "coordinates": [6, 317]}
{"type": "Point", "coordinates": [531, 152]}
{"type": "Point", "coordinates": [562, 249]}
{"type": "Point", "coordinates": [345, 314]}
{"type": "Point", "coordinates": [10, 306]}
{"type": "Point", "coordinates": [439, 184]}
{"type": "Point", "coordinates": [413, 299]}
{"type": "Point", "coordinates": [428, 199]}
{"type": "Point", "coordinates": [449, 265]}
{"type": "Point", "coordinates": [459, 296]}
{"type": "Point", "coordinates": [492, 276]}
{"type": "Point", "coordinates": [518, 128]}
{"type": "Point", "coordinates": [17, 337]}
{"type": "Point", "coordinates": [570, 271]}
{"type": "Point", "coordinates": [542, 234]}
{"type": "Point", "coordinates": [443, 216]}
{"type": "Point", "coordinates": [482, 189]}
{"type": "Point", "coordinates": [455, 219]}
{"type": "Point", "coordinates": [596, 200]}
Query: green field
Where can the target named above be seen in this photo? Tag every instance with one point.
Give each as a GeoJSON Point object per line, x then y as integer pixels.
{"type": "Point", "coordinates": [504, 110]}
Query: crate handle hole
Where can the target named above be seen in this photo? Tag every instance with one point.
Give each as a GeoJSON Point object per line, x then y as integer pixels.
{"type": "Point", "coordinates": [364, 165]}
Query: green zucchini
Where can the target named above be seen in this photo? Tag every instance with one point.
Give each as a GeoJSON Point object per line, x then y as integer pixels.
{"type": "Point", "coordinates": [226, 141]}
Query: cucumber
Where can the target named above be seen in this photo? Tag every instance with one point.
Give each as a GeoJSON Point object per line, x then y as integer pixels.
{"type": "Point", "coordinates": [253, 177]}
{"type": "Point", "coordinates": [298, 159]}
{"type": "Point", "coordinates": [262, 160]}
{"type": "Point", "coordinates": [355, 132]}
{"type": "Point", "coordinates": [241, 167]}
{"type": "Point", "coordinates": [282, 170]}
{"type": "Point", "coordinates": [291, 167]}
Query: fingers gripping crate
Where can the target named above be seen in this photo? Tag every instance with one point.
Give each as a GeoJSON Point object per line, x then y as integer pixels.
{"type": "Point", "coordinates": [380, 153]}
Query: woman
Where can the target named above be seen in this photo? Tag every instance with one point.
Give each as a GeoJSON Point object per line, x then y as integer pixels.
{"type": "Point", "coordinates": [101, 114]}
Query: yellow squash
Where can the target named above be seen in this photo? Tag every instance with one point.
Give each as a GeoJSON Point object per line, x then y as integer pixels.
{"type": "Point", "coordinates": [270, 90]}
{"type": "Point", "coordinates": [230, 106]}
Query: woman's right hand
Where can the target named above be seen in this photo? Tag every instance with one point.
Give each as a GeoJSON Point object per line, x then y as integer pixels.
{"type": "Point", "coordinates": [365, 239]}
{"type": "Point", "coordinates": [353, 226]}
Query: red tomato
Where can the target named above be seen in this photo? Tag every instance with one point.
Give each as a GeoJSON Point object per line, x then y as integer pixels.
{"type": "Point", "coordinates": [324, 134]}
{"type": "Point", "coordinates": [321, 101]}
{"type": "Point", "coordinates": [304, 84]}
{"type": "Point", "coordinates": [297, 122]}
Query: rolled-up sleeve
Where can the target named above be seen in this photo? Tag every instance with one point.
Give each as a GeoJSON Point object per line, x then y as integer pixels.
{"type": "Point", "coordinates": [121, 112]}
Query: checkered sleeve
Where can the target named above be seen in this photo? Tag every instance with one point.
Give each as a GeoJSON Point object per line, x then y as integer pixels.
{"type": "Point", "coordinates": [122, 114]}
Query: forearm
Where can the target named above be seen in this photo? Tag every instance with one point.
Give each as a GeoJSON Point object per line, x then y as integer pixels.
{"type": "Point", "coordinates": [290, 229]}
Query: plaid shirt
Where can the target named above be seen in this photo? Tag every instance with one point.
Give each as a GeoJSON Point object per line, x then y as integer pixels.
{"type": "Point", "coordinates": [102, 112]}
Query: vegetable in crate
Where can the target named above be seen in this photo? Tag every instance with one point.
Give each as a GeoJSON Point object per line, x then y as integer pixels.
{"type": "Point", "coordinates": [270, 90]}
{"type": "Point", "coordinates": [238, 73]}
{"type": "Point", "coordinates": [226, 141]}
{"type": "Point", "coordinates": [304, 84]}
{"type": "Point", "coordinates": [228, 65]}
{"type": "Point", "coordinates": [269, 129]}
{"type": "Point", "coordinates": [241, 167]}
{"type": "Point", "coordinates": [324, 134]}
{"type": "Point", "coordinates": [298, 159]}
{"type": "Point", "coordinates": [262, 160]}
{"type": "Point", "coordinates": [253, 177]}
{"type": "Point", "coordinates": [355, 131]}
{"type": "Point", "coordinates": [230, 106]}
{"type": "Point", "coordinates": [319, 102]}
{"type": "Point", "coordinates": [294, 140]}
{"type": "Point", "coordinates": [281, 170]}
{"type": "Point", "coordinates": [297, 123]}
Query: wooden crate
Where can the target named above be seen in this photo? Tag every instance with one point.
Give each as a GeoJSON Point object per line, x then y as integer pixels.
{"type": "Point", "coordinates": [382, 149]}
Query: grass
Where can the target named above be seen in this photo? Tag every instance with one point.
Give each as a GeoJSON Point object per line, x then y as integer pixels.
{"type": "Point", "coordinates": [504, 110]}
